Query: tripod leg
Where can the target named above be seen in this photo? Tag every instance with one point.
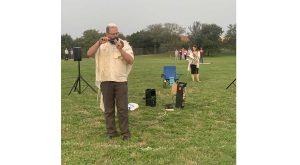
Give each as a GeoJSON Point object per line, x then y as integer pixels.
{"type": "Point", "coordinates": [88, 84]}
{"type": "Point", "coordinates": [74, 86]}
{"type": "Point", "coordinates": [84, 89]}
{"type": "Point", "coordinates": [77, 85]}
{"type": "Point", "coordinates": [231, 83]}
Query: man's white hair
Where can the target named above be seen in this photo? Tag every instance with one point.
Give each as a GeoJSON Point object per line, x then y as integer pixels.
{"type": "Point", "coordinates": [110, 25]}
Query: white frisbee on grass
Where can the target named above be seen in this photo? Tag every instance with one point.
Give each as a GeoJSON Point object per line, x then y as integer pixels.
{"type": "Point", "coordinates": [132, 106]}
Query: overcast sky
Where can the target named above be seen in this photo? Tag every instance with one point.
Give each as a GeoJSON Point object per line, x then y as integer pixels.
{"type": "Point", "coordinates": [134, 15]}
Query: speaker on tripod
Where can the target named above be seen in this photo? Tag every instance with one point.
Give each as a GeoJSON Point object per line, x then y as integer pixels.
{"type": "Point", "coordinates": [77, 84]}
{"type": "Point", "coordinates": [77, 53]}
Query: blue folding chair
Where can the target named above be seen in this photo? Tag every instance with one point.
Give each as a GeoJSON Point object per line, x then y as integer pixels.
{"type": "Point", "coordinates": [170, 75]}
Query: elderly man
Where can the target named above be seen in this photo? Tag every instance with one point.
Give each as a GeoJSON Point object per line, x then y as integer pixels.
{"type": "Point", "coordinates": [114, 58]}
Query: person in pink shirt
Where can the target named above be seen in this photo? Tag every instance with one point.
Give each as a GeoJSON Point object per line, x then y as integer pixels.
{"type": "Point", "coordinates": [176, 54]}
{"type": "Point", "coordinates": [201, 55]}
{"type": "Point", "coordinates": [183, 54]}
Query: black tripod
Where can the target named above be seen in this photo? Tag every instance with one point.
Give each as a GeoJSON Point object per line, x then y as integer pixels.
{"type": "Point", "coordinates": [77, 83]}
{"type": "Point", "coordinates": [233, 82]}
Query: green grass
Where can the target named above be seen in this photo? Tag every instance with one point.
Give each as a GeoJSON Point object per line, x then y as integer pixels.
{"type": "Point", "coordinates": [204, 132]}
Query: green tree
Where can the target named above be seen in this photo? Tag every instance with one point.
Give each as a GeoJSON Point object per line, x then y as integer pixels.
{"type": "Point", "coordinates": [207, 36]}
{"type": "Point", "coordinates": [142, 39]}
{"type": "Point", "coordinates": [173, 36]}
{"type": "Point", "coordinates": [66, 42]}
{"type": "Point", "coordinates": [165, 37]}
{"type": "Point", "coordinates": [195, 28]}
{"type": "Point", "coordinates": [211, 35]}
{"type": "Point", "coordinates": [79, 42]}
{"type": "Point", "coordinates": [230, 37]}
{"type": "Point", "coordinates": [157, 31]}
{"type": "Point", "coordinates": [157, 38]}
{"type": "Point", "coordinates": [121, 35]}
{"type": "Point", "coordinates": [195, 34]}
{"type": "Point", "coordinates": [174, 28]}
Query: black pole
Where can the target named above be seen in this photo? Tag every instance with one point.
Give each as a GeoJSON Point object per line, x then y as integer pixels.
{"type": "Point", "coordinates": [79, 77]}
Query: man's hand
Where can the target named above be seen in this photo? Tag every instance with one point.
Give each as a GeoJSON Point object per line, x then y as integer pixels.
{"type": "Point", "coordinates": [103, 40]}
{"type": "Point", "coordinates": [93, 49]}
{"type": "Point", "coordinates": [120, 44]}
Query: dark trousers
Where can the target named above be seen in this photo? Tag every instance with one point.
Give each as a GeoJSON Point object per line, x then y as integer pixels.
{"type": "Point", "coordinates": [115, 93]}
{"type": "Point", "coordinates": [201, 59]}
{"type": "Point", "coordinates": [194, 69]}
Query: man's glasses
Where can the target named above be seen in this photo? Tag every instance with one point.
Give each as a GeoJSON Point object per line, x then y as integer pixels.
{"type": "Point", "coordinates": [113, 33]}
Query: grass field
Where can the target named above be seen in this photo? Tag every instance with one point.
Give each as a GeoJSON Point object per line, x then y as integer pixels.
{"type": "Point", "coordinates": [204, 132]}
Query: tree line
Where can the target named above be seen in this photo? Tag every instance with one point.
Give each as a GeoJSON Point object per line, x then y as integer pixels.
{"type": "Point", "coordinates": [159, 38]}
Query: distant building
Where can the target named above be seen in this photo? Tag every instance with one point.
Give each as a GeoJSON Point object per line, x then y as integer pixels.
{"type": "Point", "coordinates": [184, 38]}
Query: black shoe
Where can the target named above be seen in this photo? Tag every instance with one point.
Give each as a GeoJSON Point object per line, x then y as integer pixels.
{"type": "Point", "coordinates": [125, 138]}
{"type": "Point", "coordinates": [110, 136]}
